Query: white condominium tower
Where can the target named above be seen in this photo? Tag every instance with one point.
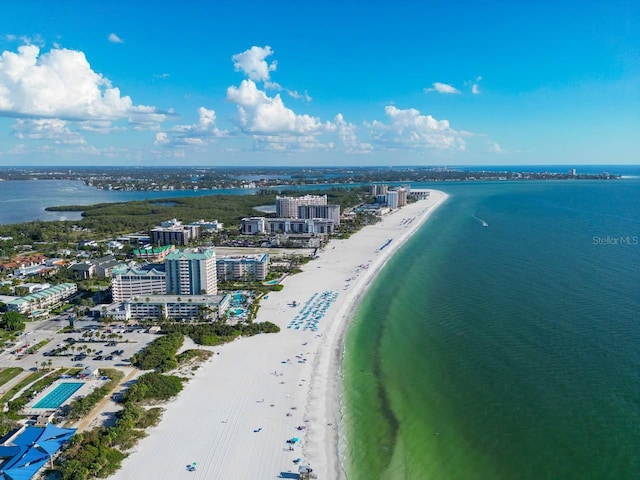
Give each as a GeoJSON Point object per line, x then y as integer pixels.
{"type": "Point", "coordinates": [191, 272]}
{"type": "Point", "coordinates": [287, 207]}
{"type": "Point", "coordinates": [132, 281]}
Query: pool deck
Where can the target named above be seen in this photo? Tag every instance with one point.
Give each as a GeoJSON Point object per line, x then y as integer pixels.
{"type": "Point", "coordinates": [88, 385]}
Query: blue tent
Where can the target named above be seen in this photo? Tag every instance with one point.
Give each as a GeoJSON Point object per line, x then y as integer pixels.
{"type": "Point", "coordinates": [31, 450]}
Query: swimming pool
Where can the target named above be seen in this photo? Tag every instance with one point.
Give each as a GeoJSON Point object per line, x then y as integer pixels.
{"type": "Point", "coordinates": [238, 297]}
{"type": "Point", "coordinates": [58, 395]}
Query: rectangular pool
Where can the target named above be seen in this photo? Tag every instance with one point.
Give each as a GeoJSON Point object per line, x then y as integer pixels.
{"type": "Point", "coordinates": [59, 395]}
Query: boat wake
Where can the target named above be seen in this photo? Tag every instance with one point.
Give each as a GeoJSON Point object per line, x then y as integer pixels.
{"type": "Point", "coordinates": [484, 224]}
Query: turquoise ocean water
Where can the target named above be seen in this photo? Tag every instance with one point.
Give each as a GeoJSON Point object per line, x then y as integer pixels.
{"type": "Point", "coordinates": [503, 352]}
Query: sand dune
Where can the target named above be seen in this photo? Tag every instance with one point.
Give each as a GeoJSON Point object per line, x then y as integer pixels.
{"type": "Point", "coordinates": [238, 410]}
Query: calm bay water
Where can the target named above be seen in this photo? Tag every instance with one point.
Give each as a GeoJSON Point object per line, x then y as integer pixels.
{"type": "Point", "coordinates": [26, 200]}
{"type": "Point", "coordinates": [507, 352]}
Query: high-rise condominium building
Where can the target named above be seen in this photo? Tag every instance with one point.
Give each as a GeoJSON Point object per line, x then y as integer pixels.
{"type": "Point", "coordinates": [191, 272]}
{"type": "Point", "coordinates": [320, 211]}
{"type": "Point", "coordinates": [287, 207]}
{"type": "Point", "coordinates": [138, 281]}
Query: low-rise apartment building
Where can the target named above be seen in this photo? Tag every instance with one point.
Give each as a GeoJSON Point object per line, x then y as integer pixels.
{"type": "Point", "coordinates": [41, 302]}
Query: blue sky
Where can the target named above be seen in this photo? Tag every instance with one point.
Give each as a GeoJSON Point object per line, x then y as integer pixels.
{"type": "Point", "coordinates": [319, 83]}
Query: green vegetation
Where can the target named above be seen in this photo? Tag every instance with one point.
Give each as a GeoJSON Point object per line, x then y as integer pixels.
{"type": "Point", "coordinates": [110, 219]}
{"type": "Point", "coordinates": [193, 355]}
{"type": "Point", "coordinates": [144, 417]}
{"type": "Point", "coordinates": [16, 388]}
{"type": "Point", "coordinates": [91, 454]}
{"type": "Point", "coordinates": [159, 354]}
{"type": "Point", "coordinates": [117, 218]}
{"type": "Point", "coordinates": [217, 333]}
{"type": "Point", "coordinates": [36, 347]}
{"type": "Point", "coordinates": [83, 405]}
{"type": "Point", "coordinates": [154, 386]}
{"type": "Point", "coordinates": [12, 322]}
{"type": "Point", "coordinates": [7, 374]}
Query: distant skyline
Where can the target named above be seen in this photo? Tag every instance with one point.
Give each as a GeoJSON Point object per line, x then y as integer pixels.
{"type": "Point", "coordinates": [319, 83]}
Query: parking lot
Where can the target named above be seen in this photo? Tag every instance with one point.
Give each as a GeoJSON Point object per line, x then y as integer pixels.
{"type": "Point", "coordinates": [91, 344]}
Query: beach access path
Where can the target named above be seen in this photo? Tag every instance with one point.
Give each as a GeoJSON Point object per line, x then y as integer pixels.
{"type": "Point", "coordinates": [240, 408]}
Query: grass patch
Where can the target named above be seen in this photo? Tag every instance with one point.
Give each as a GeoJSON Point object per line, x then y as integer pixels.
{"type": "Point", "coordinates": [7, 374]}
{"type": "Point", "coordinates": [16, 388]}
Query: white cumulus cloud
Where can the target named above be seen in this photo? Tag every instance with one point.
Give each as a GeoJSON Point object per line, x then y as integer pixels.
{"type": "Point", "coordinates": [198, 133]}
{"type": "Point", "coordinates": [252, 62]}
{"type": "Point", "coordinates": [442, 88]}
{"type": "Point", "coordinates": [347, 134]}
{"type": "Point", "coordinates": [261, 114]}
{"type": "Point", "coordinates": [410, 129]}
{"type": "Point", "coordinates": [62, 84]}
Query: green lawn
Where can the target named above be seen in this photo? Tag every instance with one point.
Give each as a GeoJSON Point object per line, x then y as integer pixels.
{"type": "Point", "coordinates": [7, 374]}
{"type": "Point", "coordinates": [16, 388]}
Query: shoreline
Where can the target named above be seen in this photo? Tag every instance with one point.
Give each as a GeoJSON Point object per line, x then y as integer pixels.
{"type": "Point", "coordinates": [335, 389]}
{"type": "Point", "coordinates": [238, 409]}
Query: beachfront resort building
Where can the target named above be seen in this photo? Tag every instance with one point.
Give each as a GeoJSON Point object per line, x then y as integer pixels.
{"type": "Point", "coordinates": [275, 226]}
{"type": "Point", "coordinates": [303, 225]}
{"type": "Point", "coordinates": [392, 199]}
{"type": "Point", "coordinates": [39, 303]}
{"type": "Point", "coordinates": [395, 198]}
{"type": "Point", "coordinates": [129, 281]}
{"type": "Point", "coordinates": [191, 272]}
{"type": "Point", "coordinates": [402, 196]}
{"type": "Point", "coordinates": [320, 211]}
{"type": "Point", "coordinates": [212, 226]}
{"type": "Point", "coordinates": [419, 194]}
{"type": "Point", "coordinates": [378, 189]}
{"type": "Point", "coordinates": [173, 232]}
{"type": "Point", "coordinates": [244, 267]}
{"type": "Point", "coordinates": [177, 307]}
{"type": "Point", "coordinates": [253, 225]}
{"type": "Point", "coordinates": [287, 207]}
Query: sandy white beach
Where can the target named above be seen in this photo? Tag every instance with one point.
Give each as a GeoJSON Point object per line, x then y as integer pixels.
{"type": "Point", "coordinates": [237, 412]}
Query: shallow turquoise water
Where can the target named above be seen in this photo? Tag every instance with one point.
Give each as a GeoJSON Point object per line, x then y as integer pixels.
{"type": "Point", "coordinates": [507, 352]}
